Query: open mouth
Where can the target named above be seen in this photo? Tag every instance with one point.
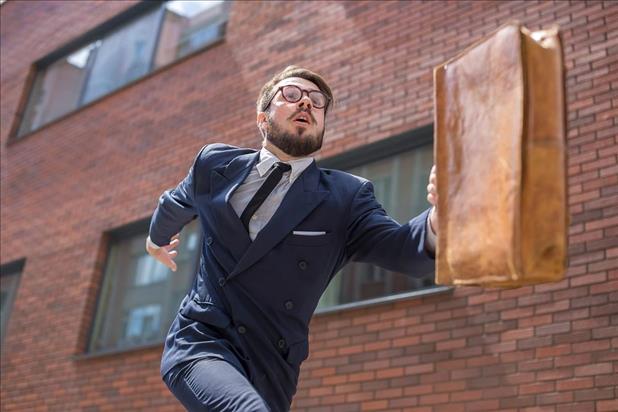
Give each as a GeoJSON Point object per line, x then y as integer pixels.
{"type": "Point", "coordinates": [302, 121]}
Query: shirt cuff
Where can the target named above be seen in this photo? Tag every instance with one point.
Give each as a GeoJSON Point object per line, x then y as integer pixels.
{"type": "Point", "coordinates": [151, 244]}
{"type": "Point", "coordinates": [430, 239]}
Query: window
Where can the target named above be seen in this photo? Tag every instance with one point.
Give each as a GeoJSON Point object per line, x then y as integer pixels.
{"type": "Point", "coordinates": [188, 26]}
{"type": "Point", "coordinates": [140, 296]}
{"type": "Point", "coordinates": [400, 185]}
{"type": "Point", "coordinates": [145, 38]}
{"type": "Point", "coordinates": [9, 282]}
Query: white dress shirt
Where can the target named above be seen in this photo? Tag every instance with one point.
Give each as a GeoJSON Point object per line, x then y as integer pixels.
{"type": "Point", "coordinates": [258, 174]}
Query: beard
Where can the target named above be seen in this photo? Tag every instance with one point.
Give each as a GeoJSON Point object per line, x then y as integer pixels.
{"type": "Point", "coordinates": [299, 144]}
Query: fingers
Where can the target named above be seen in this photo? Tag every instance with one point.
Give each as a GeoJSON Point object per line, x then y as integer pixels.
{"type": "Point", "coordinates": [173, 244]}
{"type": "Point", "coordinates": [432, 187]}
{"type": "Point", "coordinates": [432, 199]}
{"type": "Point", "coordinates": [172, 264]}
{"type": "Point", "coordinates": [166, 254]}
{"type": "Point", "coordinates": [167, 258]}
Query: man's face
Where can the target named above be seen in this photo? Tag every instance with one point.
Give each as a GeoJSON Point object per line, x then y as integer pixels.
{"type": "Point", "coordinates": [284, 125]}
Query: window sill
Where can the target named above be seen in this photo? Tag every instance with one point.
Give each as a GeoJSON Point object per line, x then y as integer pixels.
{"type": "Point", "coordinates": [385, 299]}
{"type": "Point", "coordinates": [333, 309]}
{"type": "Point", "coordinates": [116, 351]}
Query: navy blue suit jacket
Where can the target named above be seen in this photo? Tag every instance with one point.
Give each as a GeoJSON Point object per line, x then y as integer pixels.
{"type": "Point", "coordinates": [251, 302]}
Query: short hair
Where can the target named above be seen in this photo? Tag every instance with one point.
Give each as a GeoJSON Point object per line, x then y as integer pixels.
{"type": "Point", "coordinates": [268, 90]}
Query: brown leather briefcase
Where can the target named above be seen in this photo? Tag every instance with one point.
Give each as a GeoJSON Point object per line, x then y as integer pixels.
{"type": "Point", "coordinates": [500, 128]}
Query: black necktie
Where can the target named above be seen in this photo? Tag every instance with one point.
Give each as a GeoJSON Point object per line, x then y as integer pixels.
{"type": "Point", "coordinates": [260, 196]}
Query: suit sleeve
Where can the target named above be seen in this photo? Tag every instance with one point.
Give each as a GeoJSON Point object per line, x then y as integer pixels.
{"type": "Point", "coordinates": [175, 209]}
{"type": "Point", "coordinates": [374, 237]}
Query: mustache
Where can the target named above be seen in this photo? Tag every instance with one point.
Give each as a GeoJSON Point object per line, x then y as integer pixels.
{"type": "Point", "coordinates": [303, 110]}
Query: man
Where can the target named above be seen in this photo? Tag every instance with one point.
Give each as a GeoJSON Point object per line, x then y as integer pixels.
{"type": "Point", "coordinates": [276, 230]}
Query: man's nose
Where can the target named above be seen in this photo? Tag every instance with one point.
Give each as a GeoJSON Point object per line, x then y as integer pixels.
{"type": "Point", "coordinates": [305, 101]}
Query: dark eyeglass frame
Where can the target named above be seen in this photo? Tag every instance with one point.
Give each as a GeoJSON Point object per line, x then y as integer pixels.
{"type": "Point", "coordinates": [302, 93]}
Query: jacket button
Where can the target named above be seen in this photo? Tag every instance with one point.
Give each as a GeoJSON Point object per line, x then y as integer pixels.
{"type": "Point", "coordinates": [241, 329]}
{"type": "Point", "coordinates": [289, 305]}
{"type": "Point", "coordinates": [221, 281]}
{"type": "Point", "coordinates": [281, 343]}
{"type": "Point", "coordinates": [209, 240]}
{"type": "Point", "coordinates": [302, 265]}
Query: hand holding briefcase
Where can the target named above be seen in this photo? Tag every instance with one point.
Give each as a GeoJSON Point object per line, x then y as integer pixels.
{"type": "Point", "coordinates": [501, 163]}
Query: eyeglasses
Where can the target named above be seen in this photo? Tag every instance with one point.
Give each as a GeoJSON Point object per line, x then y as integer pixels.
{"type": "Point", "coordinates": [293, 94]}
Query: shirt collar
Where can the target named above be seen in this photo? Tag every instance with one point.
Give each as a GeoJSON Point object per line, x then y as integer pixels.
{"type": "Point", "coordinates": [268, 159]}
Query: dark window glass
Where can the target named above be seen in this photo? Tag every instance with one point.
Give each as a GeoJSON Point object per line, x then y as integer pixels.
{"type": "Point", "coordinates": [9, 281]}
{"type": "Point", "coordinates": [140, 296]}
{"type": "Point", "coordinates": [400, 185]}
{"type": "Point", "coordinates": [157, 37]}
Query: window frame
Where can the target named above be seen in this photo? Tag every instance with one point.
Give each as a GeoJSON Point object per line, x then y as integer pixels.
{"type": "Point", "coordinates": [98, 315]}
{"type": "Point", "coordinates": [14, 268]}
{"type": "Point", "coordinates": [106, 28]}
{"type": "Point", "coordinates": [373, 152]}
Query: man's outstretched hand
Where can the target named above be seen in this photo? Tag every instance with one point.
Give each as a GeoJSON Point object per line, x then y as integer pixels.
{"type": "Point", "coordinates": [432, 197]}
{"type": "Point", "coordinates": [164, 254]}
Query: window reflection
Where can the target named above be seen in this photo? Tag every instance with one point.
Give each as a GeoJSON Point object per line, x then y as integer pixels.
{"type": "Point", "coordinates": [122, 57]}
{"type": "Point", "coordinates": [188, 26]}
{"type": "Point", "coordinates": [9, 283]}
{"type": "Point", "coordinates": [163, 34]}
{"type": "Point", "coordinates": [143, 323]}
{"type": "Point", "coordinates": [140, 296]}
{"type": "Point", "coordinates": [400, 187]}
{"type": "Point", "coordinates": [56, 90]}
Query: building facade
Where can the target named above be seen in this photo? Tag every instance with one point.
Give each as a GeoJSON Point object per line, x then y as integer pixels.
{"type": "Point", "coordinates": [105, 104]}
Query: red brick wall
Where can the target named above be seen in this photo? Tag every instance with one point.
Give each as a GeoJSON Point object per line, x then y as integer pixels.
{"type": "Point", "coordinates": [549, 347]}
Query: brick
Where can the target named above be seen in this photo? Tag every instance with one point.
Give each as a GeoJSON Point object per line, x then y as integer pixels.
{"type": "Point", "coordinates": [592, 323]}
{"type": "Point", "coordinates": [574, 383]}
{"type": "Point", "coordinates": [594, 394]}
{"type": "Point", "coordinates": [433, 399]}
{"type": "Point", "coordinates": [554, 398]}
{"type": "Point", "coordinates": [555, 375]}
{"type": "Point", "coordinates": [378, 65]}
{"type": "Point", "coordinates": [469, 395]}
{"type": "Point", "coordinates": [534, 342]}
{"type": "Point", "coordinates": [591, 346]}
{"type": "Point", "coordinates": [419, 369]}
{"type": "Point", "coordinates": [553, 329]}
{"type": "Point", "coordinates": [607, 309]}
{"type": "Point", "coordinates": [572, 360]}
{"type": "Point", "coordinates": [535, 388]}
{"type": "Point", "coordinates": [417, 390]}
{"type": "Point", "coordinates": [517, 334]}
{"type": "Point", "coordinates": [594, 369]}
{"type": "Point", "coordinates": [535, 365]}
{"type": "Point", "coordinates": [576, 407]}
{"type": "Point", "coordinates": [572, 314]}
{"type": "Point", "coordinates": [606, 380]}
{"type": "Point", "coordinates": [517, 402]}
{"type": "Point", "coordinates": [553, 351]}
{"type": "Point", "coordinates": [603, 265]}
{"type": "Point", "coordinates": [607, 406]}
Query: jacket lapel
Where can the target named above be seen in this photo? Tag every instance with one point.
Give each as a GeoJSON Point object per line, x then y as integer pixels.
{"type": "Point", "coordinates": [223, 182]}
{"type": "Point", "coordinates": [302, 197]}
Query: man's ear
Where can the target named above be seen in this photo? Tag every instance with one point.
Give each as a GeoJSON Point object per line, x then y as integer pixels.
{"type": "Point", "coordinates": [262, 121]}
